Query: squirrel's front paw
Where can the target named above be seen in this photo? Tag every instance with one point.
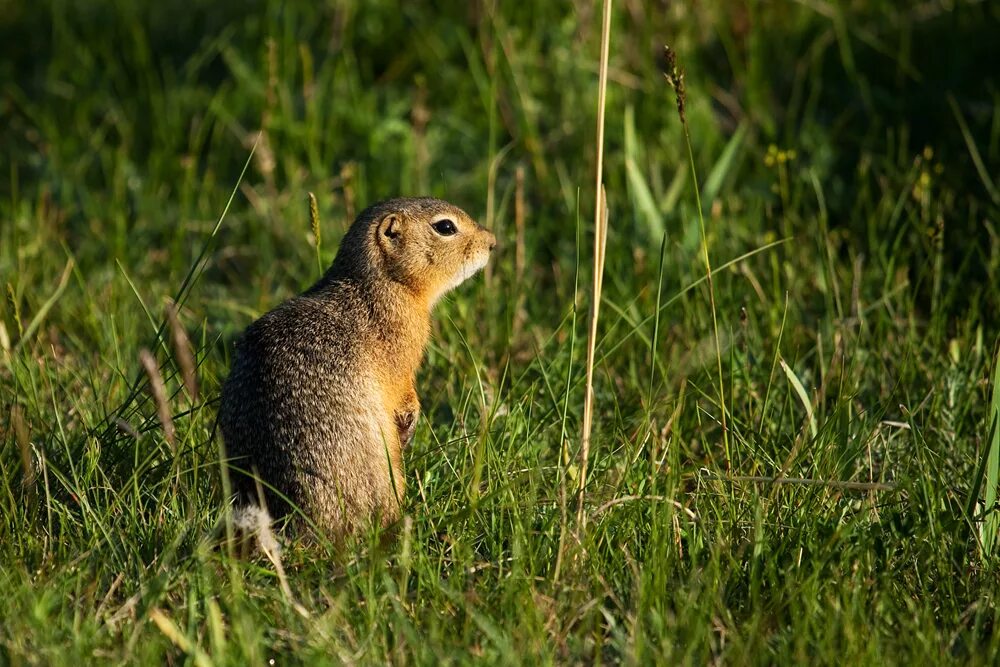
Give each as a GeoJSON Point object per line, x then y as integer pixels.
{"type": "Point", "coordinates": [406, 424]}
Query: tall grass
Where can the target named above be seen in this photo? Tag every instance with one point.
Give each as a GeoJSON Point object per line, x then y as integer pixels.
{"type": "Point", "coordinates": [991, 525]}
{"type": "Point", "coordinates": [675, 77]}
{"type": "Point", "coordinates": [600, 244]}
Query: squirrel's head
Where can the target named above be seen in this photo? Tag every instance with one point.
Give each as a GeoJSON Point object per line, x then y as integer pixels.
{"type": "Point", "coordinates": [427, 245]}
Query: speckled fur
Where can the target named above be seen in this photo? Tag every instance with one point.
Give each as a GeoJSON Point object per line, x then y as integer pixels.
{"type": "Point", "coordinates": [320, 401]}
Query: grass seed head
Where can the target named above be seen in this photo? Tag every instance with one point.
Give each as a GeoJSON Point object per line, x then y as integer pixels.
{"type": "Point", "coordinates": [314, 219]}
{"type": "Point", "coordinates": [182, 351]}
{"type": "Point", "coordinates": [675, 77]}
{"type": "Point", "coordinates": [159, 393]}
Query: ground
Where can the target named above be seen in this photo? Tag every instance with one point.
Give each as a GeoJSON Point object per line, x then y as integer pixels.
{"type": "Point", "coordinates": [846, 156]}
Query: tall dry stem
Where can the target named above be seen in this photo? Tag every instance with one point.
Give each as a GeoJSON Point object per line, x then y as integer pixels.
{"type": "Point", "coordinates": [24, 445]}
{"type": "Point", "coordinates": [159, 393]}
{"type": "Point", "coordinates": [519, 224]}
{"type": "Point", "coordinates": [520, 315]}
{"type": "Point", "coordinates": [183, 352]}
{"type": "Point", "coordinates": [600, 236]}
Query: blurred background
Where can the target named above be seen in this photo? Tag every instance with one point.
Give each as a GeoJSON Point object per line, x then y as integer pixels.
{"type": "Point", "coordinates": [125, 125]}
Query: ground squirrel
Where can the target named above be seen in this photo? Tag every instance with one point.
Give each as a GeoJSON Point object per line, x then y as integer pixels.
{"type": "Point", "coordinates": [320, 401]}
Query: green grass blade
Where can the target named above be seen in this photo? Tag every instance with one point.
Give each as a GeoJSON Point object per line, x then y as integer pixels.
{"type": "Point", "coordinates": [977, 159]}
{"type": "Point", "coordinates": [40, 316]}
{"type": "Point", "coordinates": [991, 524]}
{"type": "Point", "coordinates": [724, 166]}
{"type": "Point", "coordinates": [803, 397]}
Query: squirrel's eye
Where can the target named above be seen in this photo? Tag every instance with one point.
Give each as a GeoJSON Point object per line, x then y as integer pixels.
{"type": "Point", "coordinates": [445, 227]}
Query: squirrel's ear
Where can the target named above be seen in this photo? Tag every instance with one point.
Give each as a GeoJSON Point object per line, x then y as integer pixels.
{"type": "Point", "coordinates": [388, 232]}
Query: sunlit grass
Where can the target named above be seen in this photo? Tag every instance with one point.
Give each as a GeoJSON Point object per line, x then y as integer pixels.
{"type": "Point", "coordinates": [845, 327]}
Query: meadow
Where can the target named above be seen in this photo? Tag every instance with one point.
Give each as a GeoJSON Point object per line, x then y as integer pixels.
{"type": "Point", "coordinates": [795, 444]}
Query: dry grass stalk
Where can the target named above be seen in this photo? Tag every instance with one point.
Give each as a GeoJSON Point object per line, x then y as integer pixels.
{"type": "Point", "coordinates": [266, 161]}
{"type": "Point", "coordinates": [255, 522]}
{"type": "Point", "coordinates": [600, 238]}
{"type": "Point", "coordinates": [420, 117]}
{"type": "Point", "coordinates": [519, 224]}
{"type": "Point", "coordinates": [24, 445]}
{"type": "Point", "coordinates": [491, 188]}
{"type": "Point", "coordinates": [646, 499]}
{"type": "Point", "coordinates": [183, 352]}
{"type": "Point", "coordinates": [847, 485]}
{"type": "Point", "coordinates": [520, 314]}
{"type": "Point", "coordinates": [600, 243]}
{"type": "Point", "coordinates": [159, 393]}
{"type": "Point", "coordinates": [178, 638]}
{"type": "Point", "coordinates": [347, 175]}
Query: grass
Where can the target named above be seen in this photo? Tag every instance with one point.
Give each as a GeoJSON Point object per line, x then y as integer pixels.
{"type": "Point", "coordinates": [846, 155]}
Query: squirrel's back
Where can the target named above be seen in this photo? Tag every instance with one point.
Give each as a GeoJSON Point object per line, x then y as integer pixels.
{"type": "Point", "coordinates": [297, 378]}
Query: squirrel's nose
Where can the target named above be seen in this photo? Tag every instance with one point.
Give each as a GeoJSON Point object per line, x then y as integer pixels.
{"type": "Point", "coordinates": [493, 242]}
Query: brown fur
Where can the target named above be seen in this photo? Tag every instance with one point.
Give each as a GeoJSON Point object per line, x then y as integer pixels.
{"type": "Point", "coordinates": [321, 399]}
